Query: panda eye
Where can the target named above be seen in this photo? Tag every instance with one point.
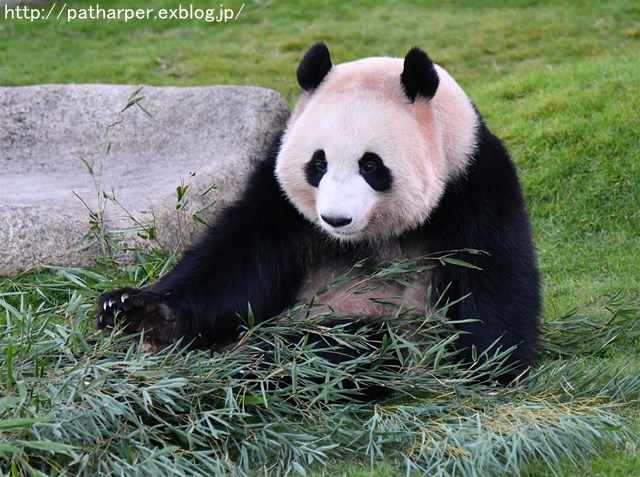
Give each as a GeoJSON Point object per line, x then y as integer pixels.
{"type": "Point", "coordinates": [370, 163]}
{"type": "Point", "coordinates": [369, 167]}
{"type": "Point", "coordinates": [320, 164]}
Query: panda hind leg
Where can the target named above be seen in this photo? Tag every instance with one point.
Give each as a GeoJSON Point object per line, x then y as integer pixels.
{"type": "Point", "coordinates": [361, 358]}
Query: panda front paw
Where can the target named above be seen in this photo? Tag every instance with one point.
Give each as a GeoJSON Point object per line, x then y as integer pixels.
{"type": "Point", "coordinates": [124, 305]}
{"type": "Point", "coordinates": [135, 311]}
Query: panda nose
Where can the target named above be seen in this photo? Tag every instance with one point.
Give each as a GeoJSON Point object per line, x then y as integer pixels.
{"type": "Point", "coordinates": [336, 221]}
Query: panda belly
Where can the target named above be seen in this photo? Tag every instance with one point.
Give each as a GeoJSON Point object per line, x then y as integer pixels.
{"type": "Point", "coordinates": [361, 297]}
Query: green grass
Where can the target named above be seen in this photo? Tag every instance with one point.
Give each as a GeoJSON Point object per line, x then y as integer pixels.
{"type": "Point", "coordinates": [557, 81]}
{"type": "Point", "coordinates": [77, 403]}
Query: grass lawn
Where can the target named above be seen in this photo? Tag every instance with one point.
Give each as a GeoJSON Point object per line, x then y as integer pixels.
{"type": "Point", "coordinates": [558, 81]}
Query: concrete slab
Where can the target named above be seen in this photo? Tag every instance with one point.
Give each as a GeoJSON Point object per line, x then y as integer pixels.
{"type": "Point", "coordinates": [191, 137]}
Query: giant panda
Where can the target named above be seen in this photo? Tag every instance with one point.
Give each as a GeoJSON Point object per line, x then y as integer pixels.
{"type": "Point", "coordinates": [383, 159]}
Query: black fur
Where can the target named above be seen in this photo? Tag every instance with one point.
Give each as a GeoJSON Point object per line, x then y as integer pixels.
{"type": "Point", "coordinates": [315, 65]}
{"type": "Point", "coordinates": [260, 249]}
{"type": "Point", "coordinates": [484, 210]}
{"type": "Point", "coordinates": [419, 76]}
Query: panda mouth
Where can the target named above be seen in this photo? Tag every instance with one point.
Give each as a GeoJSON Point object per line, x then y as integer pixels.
{"type": "Point", "coordinates": [338, 233]}
{"type": "Point", "coordinates": [351, 232]}
{"type": "Point", "coordinates": [348, 235]}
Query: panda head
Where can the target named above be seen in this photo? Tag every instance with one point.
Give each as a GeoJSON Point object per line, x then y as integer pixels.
{"type": "Point", "coordinates": [371, 144]}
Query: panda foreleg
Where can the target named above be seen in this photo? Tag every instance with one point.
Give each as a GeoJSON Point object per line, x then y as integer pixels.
{"type": "Point", "coordinates": [252, 258]}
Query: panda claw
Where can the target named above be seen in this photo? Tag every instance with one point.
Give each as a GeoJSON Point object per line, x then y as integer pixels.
{"type": "Point", "coordinates": [124, 297]}
{"type": "Point", "coordinates": [105, 305]}
{"type": "Point", "coordinates": [111, 302]}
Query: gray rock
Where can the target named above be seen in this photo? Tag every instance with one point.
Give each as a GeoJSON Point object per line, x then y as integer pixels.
{"type": "Point", "coordinates": [51, 135]}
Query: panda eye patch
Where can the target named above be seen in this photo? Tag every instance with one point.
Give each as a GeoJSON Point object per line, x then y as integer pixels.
{"type": "Point", "coordinates": [373, 170]}
{"type": "Point", "coordinates": [316, 168]}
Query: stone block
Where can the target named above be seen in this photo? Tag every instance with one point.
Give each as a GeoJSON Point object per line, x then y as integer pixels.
{"type": "Point", "coordinates": [62, 147]}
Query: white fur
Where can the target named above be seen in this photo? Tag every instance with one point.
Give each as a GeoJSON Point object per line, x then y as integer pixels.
{"type": "Point", "coordinates": [360, 107]}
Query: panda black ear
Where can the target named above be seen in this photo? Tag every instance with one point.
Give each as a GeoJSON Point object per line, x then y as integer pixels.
{"type": "Point", "coordinates": [419, 77]}
{"type": "Point", "coordinates": [314, 66]}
